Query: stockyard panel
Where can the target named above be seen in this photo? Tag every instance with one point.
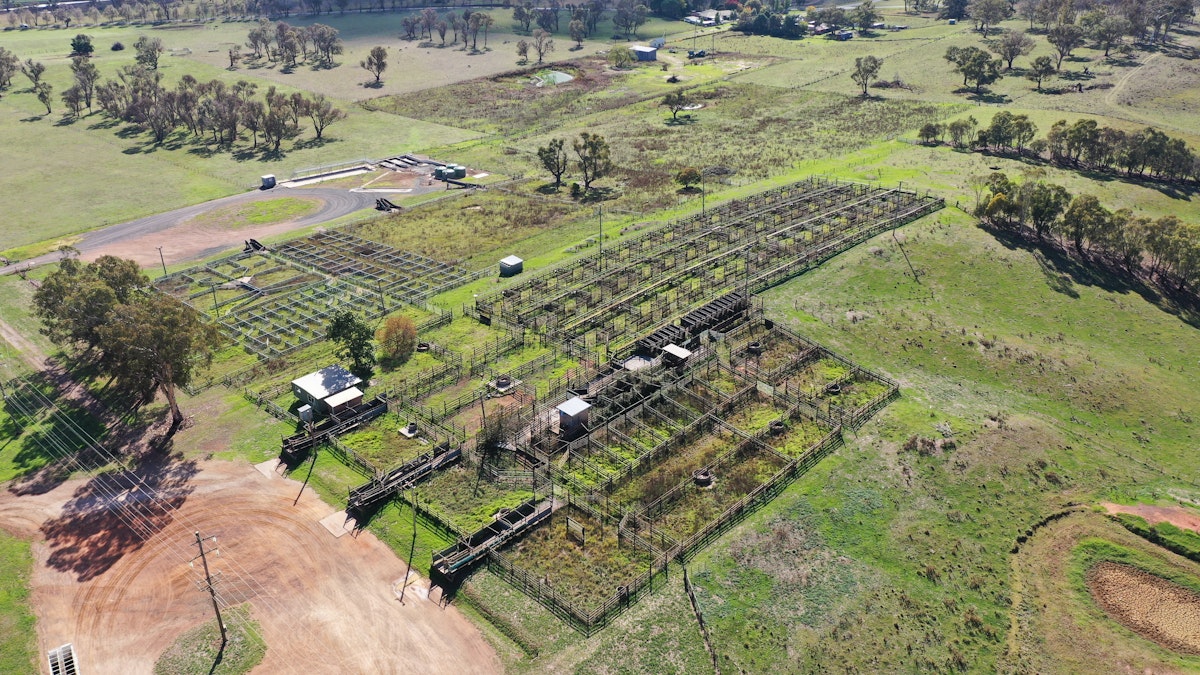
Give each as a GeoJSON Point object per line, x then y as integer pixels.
{"type": "Point", "coordinates": [604, 301]}
{"type": "Point", "coordinates": [216, 287]}
{"type": "Point", "coordinates": [276, 325]}
{"type": "Point", "coordinates": [374, 265]}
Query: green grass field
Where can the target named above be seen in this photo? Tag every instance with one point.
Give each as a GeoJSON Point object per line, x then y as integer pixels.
{"type": "Point", "coordinates": [1057, 385]}
{"type": "Point", "coordinates": [18, 640]}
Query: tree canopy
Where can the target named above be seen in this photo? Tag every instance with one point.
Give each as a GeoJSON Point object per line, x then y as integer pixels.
{"type": "Point", "coordinates": [144, 340]}
{"type": "Point", "coordinates": [353, 337]}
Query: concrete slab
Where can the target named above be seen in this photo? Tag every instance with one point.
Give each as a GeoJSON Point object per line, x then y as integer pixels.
{"type": "Point", "coordinates": [338, 524]}
{"type": "Point", "coordinates": [269, 468]}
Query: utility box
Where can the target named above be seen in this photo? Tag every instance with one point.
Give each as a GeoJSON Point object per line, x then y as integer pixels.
{"type": "Point", "coordinates": [306, 413]}
{"type": "Point", "coordinates": [268, 181]}
{"type": "Point", "coordinates": [511, 266]}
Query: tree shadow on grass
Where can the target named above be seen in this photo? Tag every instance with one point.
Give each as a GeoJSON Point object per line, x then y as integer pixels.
{"type": "Point", "coordinates": [104, 123]}
{"type": "Point", "coordinates": [984, 96]}
{"type": "Point", "coordinates": [681, 121]}
{"type": "Point", "coordinates": [598, 194]}
{"type": "Point", "coordinates": [308, 143]}
{"type": "Point", "coordinates": [1064, 269]}
{"type": "Point", "coordinates": [115, 513]}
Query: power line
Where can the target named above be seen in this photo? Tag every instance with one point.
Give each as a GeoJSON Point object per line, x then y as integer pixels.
{"type": "Point", "coordinates": [131, 513]}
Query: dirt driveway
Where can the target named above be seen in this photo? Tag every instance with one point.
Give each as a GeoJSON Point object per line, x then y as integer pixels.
{"type": "Point", "coordinates": [139, 239]}
{"type": "Point", "coordinates": [122, 594]}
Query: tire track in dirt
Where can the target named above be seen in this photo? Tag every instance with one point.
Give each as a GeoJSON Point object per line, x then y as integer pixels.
{"type": "Point", "coordinates": [29, 352]}
{"type": "Point", "coordinates": [323, 604]}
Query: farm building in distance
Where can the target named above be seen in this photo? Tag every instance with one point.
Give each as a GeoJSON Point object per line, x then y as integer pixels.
{"type": "Point", "coordinates": [645, 53]}
{"type": "Point", "coordinates": [329, 390]}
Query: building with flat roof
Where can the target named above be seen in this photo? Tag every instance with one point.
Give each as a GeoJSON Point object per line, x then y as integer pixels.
{"type": "Point", "coordinates": [332, 382]}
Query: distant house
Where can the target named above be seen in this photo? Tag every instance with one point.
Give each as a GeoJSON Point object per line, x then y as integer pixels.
{"type": "Point", "coordinates": [715, 15]}
{"type": "Point", "coordinates": [330, 389]}
{"type": "Point", "coordinates": [644, 53]}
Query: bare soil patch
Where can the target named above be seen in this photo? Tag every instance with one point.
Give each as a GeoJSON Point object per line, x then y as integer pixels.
{"type": "Point", "coordinates": [1151, 606]}
{"type": "Point", "coordinates": [1175, 515]}
{"type": "Point", "coordinates": [325, 604]}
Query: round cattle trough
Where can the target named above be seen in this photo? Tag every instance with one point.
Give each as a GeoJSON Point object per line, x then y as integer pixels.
{"type": "Point", "coordinates": [703, 478]}
{"type": "Point", "coordinates": [411, 428]}
{"type": "Point", "coordinates": [777, 427]}
{"type": "Point", "coordinates": [422, 346]}
{"type": "Point", "coordinates": [755, 348]}
{"type": "Point", "coordinates": [834, 388]}
{"type": "Point", "coordinates": [503, 381]}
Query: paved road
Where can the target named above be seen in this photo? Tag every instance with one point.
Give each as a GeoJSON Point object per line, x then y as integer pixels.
{"type": "Point", "coordinates": [336, 203]}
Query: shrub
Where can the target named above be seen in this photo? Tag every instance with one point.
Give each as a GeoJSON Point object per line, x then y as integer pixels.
{"type": "Point", "coordinates": [117, 46]}
{"type": "Point", "coordinates": [397, 339]}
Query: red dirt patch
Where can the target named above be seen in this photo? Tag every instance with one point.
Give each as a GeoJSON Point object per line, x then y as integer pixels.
{"type": "Point", "coordinates": [1175, 515]}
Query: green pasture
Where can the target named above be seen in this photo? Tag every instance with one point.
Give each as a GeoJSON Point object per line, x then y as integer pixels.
{"type": "Point", "coordinates": [1147, 89]}
{"type": "Point", "coordinates": [18, 639]}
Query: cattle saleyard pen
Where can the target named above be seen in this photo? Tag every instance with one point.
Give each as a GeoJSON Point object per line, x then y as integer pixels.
{"type": "Point", "coordinates": [699, 409]}
{"type": "Point", "coordinates": [606, 301]}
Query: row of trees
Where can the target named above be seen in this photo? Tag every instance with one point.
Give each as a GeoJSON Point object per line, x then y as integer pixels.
{"type": "Point", "coordinates": [284, 43]}
{"type": "Point", "coordinates": [1084, 144]}
{"type": "Point", "coordinates": [466, 24]}
{"type": "Point", "coordinates": [585, 18]}
{"type": "Point", "coordinates": [137, 96]}
{"type": "Point", "coordinates": [1106, 22]}
{"type": "Point", "coordinates": [1165, 248]}
{"type": "Point", "coordinates": [774, 19]}
{"type": "Point", "coordinates": [106, 312]}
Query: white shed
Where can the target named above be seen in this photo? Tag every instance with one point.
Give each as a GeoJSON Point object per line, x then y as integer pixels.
{"type": "Point", "coordinates": [511, 266]}
{"type": "Point", "coordinates": [573, 418]}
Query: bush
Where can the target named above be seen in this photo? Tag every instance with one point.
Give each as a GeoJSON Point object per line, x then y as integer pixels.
{"type": "Point", "coordinates": [397, 339]}
{"type": "Point", "coordinates": [117, 46]}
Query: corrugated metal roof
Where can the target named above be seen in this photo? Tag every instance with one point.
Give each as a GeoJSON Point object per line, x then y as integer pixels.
{"type": "Point", "coordinates": [327, 381]}
{"type": "Point", "coordinates": [573, 407]}
{"type": "Point", "coordinates": [343, 397]}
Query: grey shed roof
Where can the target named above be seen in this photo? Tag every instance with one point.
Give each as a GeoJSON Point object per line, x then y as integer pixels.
{"type": "Point", "coordinates": [327, 381]}
{"type": "Point", "coordinates": [511, 260]}
{"type": "Point", "coordinates": [677, 351]}
{"type": "Point", "coordinates": [573, 407]}
{"type": "Point", "coordinates": [643, 48]}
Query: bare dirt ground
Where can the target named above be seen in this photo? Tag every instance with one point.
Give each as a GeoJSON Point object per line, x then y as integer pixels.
{"type": "Point", "coordinates": [1148, 605]}
{"type": "Point", "coordinates": [1176, 515]}
{"type": "Point", "coordinates": [122, 594]}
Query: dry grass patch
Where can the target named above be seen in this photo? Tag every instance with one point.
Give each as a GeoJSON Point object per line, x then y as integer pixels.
{"type": "Point", "coordinates": [1148, 605]}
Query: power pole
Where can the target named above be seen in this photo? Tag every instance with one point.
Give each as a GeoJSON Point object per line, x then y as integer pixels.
{"type": "Point", "coordinates": [411, 549]}
{"type": "Point", "coordinates": [208, 585]}
{"type": "Point", "coordinates": [162, 260]}
{"type": "Point", "coordinates": [601, 212]}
